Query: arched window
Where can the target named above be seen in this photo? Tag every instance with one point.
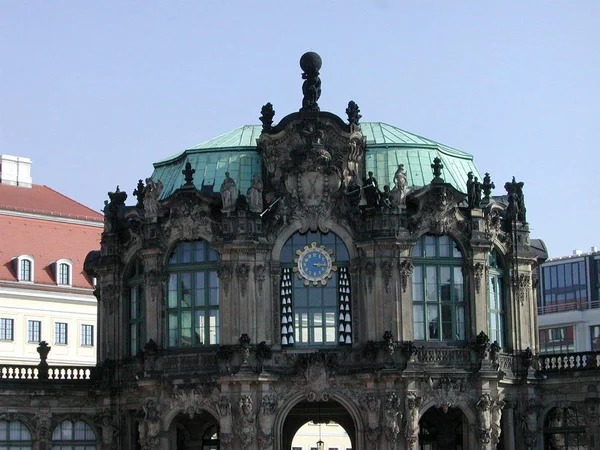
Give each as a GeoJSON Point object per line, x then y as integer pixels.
{"type": "Point", "coordinates": [76, 435]}
{"type": "Point", "coordinates": [136, 325]}
{"type": "Point", "coordinates": [63, 275]}
{"type": "Point", "coordinates": [193, 295]}
{"type": "Point", "coordinates": [15, 435]}
{"type": "Point", "coordinates": [496, 299]}
{"type": "Point", "coordinates": [438, 290]}
{"type": "Point", "coordinates": [24, 267]}
{"type": "Point", "coordinates": [564, 429]}
{"type": "Point", "coordinates": [315, 291]}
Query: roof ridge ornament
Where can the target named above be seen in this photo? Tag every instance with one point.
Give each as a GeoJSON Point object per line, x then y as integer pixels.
{"type": "Point", "coordinates": [353, 113]}
{"type": "Point", "coordinates": [188, 173]}
{"type": "Point", "coordinates": [311, 63]}
{"type": "Point", "coordinates": [437, 167]}
{"type": "Point", "coordinates": [266, 116]}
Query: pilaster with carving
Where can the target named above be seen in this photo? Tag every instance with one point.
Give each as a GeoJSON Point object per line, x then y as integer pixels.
{"type": "Point", "coordinates": [411, 431]}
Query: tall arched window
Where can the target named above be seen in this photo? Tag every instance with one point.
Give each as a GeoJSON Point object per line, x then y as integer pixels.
{"type": "Point", "coordinates": [438, 290]}
{"type": "Point", "coordinates": [193, 295]}
{"type": "Point", "coordinates": [136, 324]}
{"type": "Point", "coordinates": [15, 435]}
{"type": "Point", "coordinates": [76, 435]}
{"type": "Point", "coordinates": [496, 299]}
{"type": "Point", "coordinates": [315, 291]}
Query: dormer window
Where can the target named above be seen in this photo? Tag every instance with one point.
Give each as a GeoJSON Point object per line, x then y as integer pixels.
{"type": "Point", "coordinates": [64, 272]}
{"type": "Point", "coordinates": [24, 268]}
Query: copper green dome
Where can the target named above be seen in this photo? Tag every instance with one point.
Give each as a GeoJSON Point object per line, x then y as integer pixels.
{"type": "Point", "coordinates": [387, 147]}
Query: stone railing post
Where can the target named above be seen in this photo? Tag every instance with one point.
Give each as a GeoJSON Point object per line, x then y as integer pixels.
{"type": "Point", "coordinates": [43, 350]}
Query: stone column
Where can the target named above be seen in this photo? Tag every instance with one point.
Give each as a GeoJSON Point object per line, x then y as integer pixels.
{"type": "Point", "coordinates": [155, 287]}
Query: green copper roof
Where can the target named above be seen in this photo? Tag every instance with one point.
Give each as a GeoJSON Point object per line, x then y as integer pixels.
{"type": "Point", "coordinates": [387, 147]}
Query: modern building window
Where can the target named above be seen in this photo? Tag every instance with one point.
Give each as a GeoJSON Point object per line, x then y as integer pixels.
{"type": "Point", "coordinates": [557, 340]}
{"type": "Point", "coordinates": [496, 299]}
{"type": "Point", "coordinates": [315, 291]}
{"type": "Point", "coordinates": [60, 333]}
{"type": "Point", "coordinates": [7, 330]}
{"type": "Point", "coordinates": [136, 311]}
{"type": "Point", "coordinates": [438, 290]}
{"type": "Point", "coordinates": [193, 295]}
{"type": "Point", "coordinates": [64, 273]}
{"type": "Point", "coordinates": [564, 429]}
{"type": "Point", "coordinates": [595, 337]}
{"type": "Point", "coordinates": [565, 287]}
{"type": "Point", "coordinates": [87, 335]}
{"type": "Point", "coordinates": [76, 435]}
{"type": "Point", "coordinates": [34, 331]}
{"type": "Point", "coordinates": [15, 435]}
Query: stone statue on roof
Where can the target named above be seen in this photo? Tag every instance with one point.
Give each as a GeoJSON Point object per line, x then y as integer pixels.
{"type": "Point", "coordinates": [398, 194]}
{"type": "Point", "coordinates": [228, 193]}
{"type": "Point", "coordinates": [254, 195]}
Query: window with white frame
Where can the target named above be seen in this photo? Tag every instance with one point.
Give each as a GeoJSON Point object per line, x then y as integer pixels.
{"type": "Point", "coordinates": [64, 272]}
{"type": "Point", "coordinates": [24, 268]}
{"type": "Point", "coordinates": [34, 331]}
{"type": "Point", "coordinates": [496, 299]}
{"type": "Point", "coordinates": [60, 333]}
{"type": "Point", "coordinates": [7, 329]}
{"type": "Point", "coordinates": [87, 335]}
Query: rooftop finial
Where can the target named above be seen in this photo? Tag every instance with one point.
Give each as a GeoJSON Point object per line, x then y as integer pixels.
{"type": "Point", "coordinates": [311, 63]}
{"type": "Point", "coordinates": [188, 174]}
{"type": "Point", "coordinates": [437, 167]}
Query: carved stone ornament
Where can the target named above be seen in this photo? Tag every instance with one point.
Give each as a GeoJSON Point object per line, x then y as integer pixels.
{"type": "Point", "coordinates": [225, 274]}
{"type": "Point", "coordinates": [436, 205]}
{"type": "Point", "coordinates": [110, 298]}
{"type": "Point", "coordinates": [406, 269]}
{"type": "Point", "coordinates": [484, 411]}
{"type": "Point", "coordinates": [242, 272]}
{"type": "Point", "coordinates": [524, 284]}
{"type": "Point", "coordinates": [260, 274]}
{"type": "Point", "coordinates": [188, 400]}
{"type": "Point", "coordinates": [246, 427]}
{"type": "Point", "coordinates": [189, 219]}
{"type": "Point", "coordinates": [386, 273]}
{"type": "Point", "coordinates": [391, 417]}
{"type": "Point", "coordinates": [413, 403]}
{"type": "Point", "coordinates": [370, 274]}
{"type": "Point", "coordinates": [478, 275]}
{"type": "Point", "coordinates": [447, 391]}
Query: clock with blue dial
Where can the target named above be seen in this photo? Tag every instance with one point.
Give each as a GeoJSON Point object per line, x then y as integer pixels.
{"type": "Point", "coordinates": [314, 264]}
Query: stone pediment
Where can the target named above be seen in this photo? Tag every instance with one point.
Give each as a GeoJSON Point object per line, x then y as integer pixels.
{"type": "Point", "coordinates": [434, 208]}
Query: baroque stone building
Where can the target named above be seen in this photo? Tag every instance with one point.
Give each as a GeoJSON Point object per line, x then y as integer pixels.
{"type": "Point", "coordinates": [265, 279]}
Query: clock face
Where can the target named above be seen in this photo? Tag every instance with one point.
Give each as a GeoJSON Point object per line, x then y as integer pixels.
{"type": "Point", "coordinates": [314, 264]}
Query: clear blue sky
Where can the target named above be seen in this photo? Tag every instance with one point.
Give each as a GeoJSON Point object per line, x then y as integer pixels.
{"type": "Point", "coordinates": [96, 91]}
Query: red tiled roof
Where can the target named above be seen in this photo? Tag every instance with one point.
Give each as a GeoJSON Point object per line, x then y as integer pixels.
{"type": "Point", "coordinates": [47, 241]}
{"type": "Point", "coordinates": [41, 199]}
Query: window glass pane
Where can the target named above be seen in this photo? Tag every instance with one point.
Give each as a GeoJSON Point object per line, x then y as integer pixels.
{"type": "Point", "coordinates": [445, 284]}
{"type": "Point", "coordinates": [200, 289]}
{"type": "Point", "coordinates": [431, 276]}
{"type": "Point", "coordinates": [417, 284]}
{"type": "Point", "coordinates": [459, 290]}
{"type": "Point", "coordinates": [186, 328]}
{"type": "Point", "coordinates": [433, 321]}
{"type": "Point", "coordinates": [214, 288]}
{"type": "Point", "coordinates": [445, 247]}
{"type": "Point", "coordinates": [185, 281]}
{"type": "Point", "coordinates": [430, 246]}
{"type": "Point", "coordinates": [213, 327]}
{"type": "Point", "coordinates": [172, 291]}
{"type": "Point", "coordinates": [419, 322]}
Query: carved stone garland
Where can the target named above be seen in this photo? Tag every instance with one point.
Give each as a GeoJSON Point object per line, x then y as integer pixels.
{"type": "Point", "coordinates": [406, 269]}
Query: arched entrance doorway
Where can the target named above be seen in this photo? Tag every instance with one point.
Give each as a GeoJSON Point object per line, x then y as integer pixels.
{"type": "Point", "coordinates": [317, 412]}
{"type": "Point", "coordinates": [201, 432]}
{"type": "Point", "coordinates": [443, 430]}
